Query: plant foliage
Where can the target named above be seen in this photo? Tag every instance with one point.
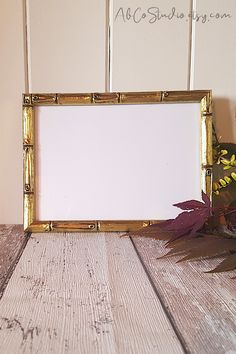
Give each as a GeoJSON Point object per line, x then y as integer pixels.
{"type": "Point", "coordinates": [193, 233]}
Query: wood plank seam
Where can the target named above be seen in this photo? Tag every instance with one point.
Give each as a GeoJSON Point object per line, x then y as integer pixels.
{"type": "Point", "coordinates": [165, 308]}
{"type": "Point", "coordinates": [13, 265]}
{"type": "Point", "coordinates": [83, 293]}
{"type": "Point", "coordinates": [203, 305]}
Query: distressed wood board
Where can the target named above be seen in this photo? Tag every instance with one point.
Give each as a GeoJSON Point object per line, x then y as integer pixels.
{"type": "Point", "coordinates": [83, 293]}
{"type": "Point", "coordinates": [202, 306]}
{"type": "Point", "coordinates": [12, 243]}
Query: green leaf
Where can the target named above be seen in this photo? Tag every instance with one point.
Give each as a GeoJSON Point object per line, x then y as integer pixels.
{"type": "Point", "coordinates": [227, 179]}
{"type": "Point", "coordinates": [223, 152]}
{"type": "Point", "coordinates": [233, 175]}
{"type": "Point", "coordinates": [225, 162]}
{"type": "Point", "coordinates": [227, 167]}
{"type": "Point", "coordinates": [216, 186]}
{"type": "Point", "coordinates": [232, 158]}
{"type": "Point", "coordinates": [223, 183]}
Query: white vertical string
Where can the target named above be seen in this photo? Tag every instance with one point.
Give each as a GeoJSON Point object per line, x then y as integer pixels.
{"type": "Point", "coordinates": [25, 39]}
{"type": "Point", "coordinates": [27, 60]}
{"type": "Point", "coordinates": [111, 44]}
{"type": "Point", "coordinates": [192, 51]}
{"type": "Point", "coordinates": [109, 34]}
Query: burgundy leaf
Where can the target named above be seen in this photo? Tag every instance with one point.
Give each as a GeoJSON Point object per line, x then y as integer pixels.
{"type": "Point", "coordinates": [177, 223]}
{"type": "Point", "coordinates": [197, 227]}
{"type": "Point", "coordinates": [186, 237]}
{"type": "Point", "coordinates": [189, 205]}
{"type": "Point", "coordinates": [192, 220]}
{"type": "Point", "coordinates": [187, 220]}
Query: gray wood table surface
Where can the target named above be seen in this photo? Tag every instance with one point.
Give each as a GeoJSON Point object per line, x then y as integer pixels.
{"type": "Point", "coordinates": [100, 293]}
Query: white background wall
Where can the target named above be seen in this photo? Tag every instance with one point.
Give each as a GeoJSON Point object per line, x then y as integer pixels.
{"type": "Point", "coordinates": [61, 46]}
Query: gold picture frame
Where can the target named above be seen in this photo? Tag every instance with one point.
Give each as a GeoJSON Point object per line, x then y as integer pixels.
{"type": "Point", "coordinates": [30, 101]}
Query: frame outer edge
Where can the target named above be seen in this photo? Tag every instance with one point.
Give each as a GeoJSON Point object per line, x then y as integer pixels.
{"type": "Point", "coordinates": [72, 226]}
{"type": "Point", "coordinates": [28, 125]}
{"type": "Point", "coordinates": [140, 97]}
{"type": "Point", "coordinates": [28, 166]}
{"type": "Point", "coordinates": [121, 226]}
{"type": "Point", "coordinates": [28, 178]}
{"type": "Point", "coordinates": [29, 213]}
{"type": "Point", "coordinates": [206, 143]}
{"type": "Point", "coordinates": [75, 99]}
{"type": "Point", "coordinates": [184, 96]}
{"type": "Point", "coordinates": [30, 100]}
{"type": "Point", "coordinates": [39, 226]}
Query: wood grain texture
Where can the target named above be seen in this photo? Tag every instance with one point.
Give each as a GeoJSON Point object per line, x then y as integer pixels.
{"type": "Point", "coordinates": [82, 293]}
{"type": "Point", "coordinates": [12, 242]}
{"type": "Point", "coordinates": [202, 306]}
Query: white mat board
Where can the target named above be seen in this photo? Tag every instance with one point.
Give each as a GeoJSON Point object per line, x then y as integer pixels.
{"type": "Point", "coordinates": [116, 162]}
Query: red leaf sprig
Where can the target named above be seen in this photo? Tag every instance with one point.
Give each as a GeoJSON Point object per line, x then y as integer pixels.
{"type": "Point", "coordinates": [191, 221]}
{"type": "Point", "coordinates": [197, 219]}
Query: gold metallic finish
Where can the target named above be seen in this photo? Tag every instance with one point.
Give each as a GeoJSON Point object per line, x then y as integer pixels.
{"type": "Point", "coordinates": [207, 154]}
{"type": "Point", "coordinates": [106, 98]}
{"type": "Point", "coordinates": [27, 100]}
{"type": "Point", "coordinates": [206, 104]}
{"type": "Point", "coordinates": [75, 99]}
{"type": "Point", "coordinates": [70, 226]}
{"type": "Point", "coordinates": [30, 101]}
{"type": "Point", "coordinates": [29, 210]}
{"type": "Point", "coordinates": [208, 182]}
{"type": "Point", "coordinates": [28, 169]}
{"type": "Point", "coordinates": [140, 97]}
{"type": "Point", "coordinates": [125, 226]}
{"type": "Point", "coordinates": [184, 96]}
{"type": "Point", "coordinates": [206, 143]}
{"type": "Point", "coordinates": [39, 226]}
{"type": "Point", "coordinates": [28, 125]}
{"type": "Point", "coordinates": [28, 156]}
{"type": "Point", "coordinates": [44, 99]}
{"type": "Point", "coordinates": [151, 222]}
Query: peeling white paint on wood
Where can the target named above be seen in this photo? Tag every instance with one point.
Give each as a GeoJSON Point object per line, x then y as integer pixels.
{"type": "Point", "coordinates": [82, 293]}
{"type": "Point", "coordinates": [203, 306]}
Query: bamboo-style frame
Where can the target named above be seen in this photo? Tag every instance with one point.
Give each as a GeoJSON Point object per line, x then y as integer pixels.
{"type": "Point", "coordinates": [30, 101]}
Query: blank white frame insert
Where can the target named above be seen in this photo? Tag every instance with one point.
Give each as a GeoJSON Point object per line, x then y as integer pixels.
{"type": "Point", "coordinates": [116, 162]}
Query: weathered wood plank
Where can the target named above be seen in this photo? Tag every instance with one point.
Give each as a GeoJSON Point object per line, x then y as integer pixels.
{"type": "Point", "coordinates": [202, 306]}
{"type": "Point", "coordinates": [12, 242]}
{"type": "Point", "coordinates": [82, 293]}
